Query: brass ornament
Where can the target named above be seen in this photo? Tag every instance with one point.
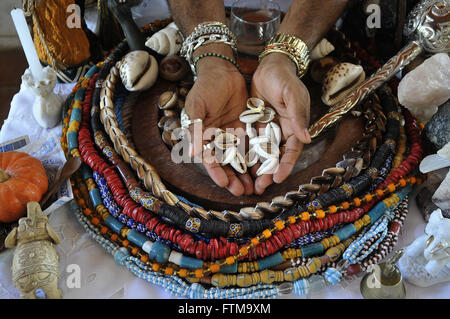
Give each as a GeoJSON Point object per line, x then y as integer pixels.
{"type": "Point", "coordinates": [35, 262]}
{"type": "Point", "coordinates": [385, 281]}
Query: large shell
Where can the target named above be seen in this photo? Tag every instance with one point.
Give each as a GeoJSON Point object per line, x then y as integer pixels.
{"type": "Point", "coordinates": [320, 68]}
{"type": "Point", "coordinates": [340, 80]}
{"type": "Point", "coordinates": [138, 70]}
{"type": "Point", "coordinates": [322, 49]}
{"type": "Point", "coordinates": [167, 41]}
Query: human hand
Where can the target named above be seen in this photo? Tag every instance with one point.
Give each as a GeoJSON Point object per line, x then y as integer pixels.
{"type": "Point", "coordinates": [218, 97]}
{"type": "Point", "coordinates": [276, 82]}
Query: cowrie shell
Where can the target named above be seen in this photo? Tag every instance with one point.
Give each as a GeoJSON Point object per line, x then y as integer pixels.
{"type": "Point", "coordinates": [251, 213]}
{"type": "Point", "coordinates": [167, 100]}
{"type": "Point", "coordinates": [268, 116]}
{"type": "Point", "coordinates": [259, 140]}
{"type": "Point", "coordinates": [226, 140]}
{"type": "Point", "coordinates": [250, 116]}
{"type": "Point", "coordinates": [251, 158]}
{"type": "Point", "coordinates": [138, 70]}
{"type": "Point", "coordinates": [268, 167]}
{"type": "Point", "coordinates": [238, 163]}
{"type": "Point", "coordinates": [255, 103]}
{"type": "Point", "coordinates": [251, 132]}
{"type": "Point", "coordinates": [106, 101]}
{"type": "Point", "coordinates": [229, 155]}
{"type": "Point", "coordinates": [262, 150]}
{"type": "Point", "coordinates": [273, 132]}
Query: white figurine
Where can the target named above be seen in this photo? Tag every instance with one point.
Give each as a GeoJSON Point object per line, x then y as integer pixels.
{"type": "Point", "coordinates": [47, 106]}
{"type": "Point", "coordinates": [427, 260]}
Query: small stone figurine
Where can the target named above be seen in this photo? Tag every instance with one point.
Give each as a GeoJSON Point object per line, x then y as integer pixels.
{"type": "Point", "coordinates": [427, 260]}
{"type": "Point", "coordinates": [35, 262]}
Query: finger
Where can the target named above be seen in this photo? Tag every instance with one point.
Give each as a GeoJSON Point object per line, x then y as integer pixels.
{"type": "Point", "coordinates": [215, 170]}
{"type": "Point", "coordinates": [195, 108]}
{"type": "Point", "coordinates": [235, 185]}
{"type": "Point", "coordinates": [262, 182]}
{"type": "Point", "coordinates": [247, 181]}
{"type": "Point", "coordinates": [297, 103]}
{"type": "Point", "coordinates": [291, 153]}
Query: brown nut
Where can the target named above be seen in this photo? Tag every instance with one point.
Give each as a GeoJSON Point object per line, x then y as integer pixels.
{"type": "Point", "coordinates": [183, 92]}
{"type": "Point", "coordinates": [173, 68]}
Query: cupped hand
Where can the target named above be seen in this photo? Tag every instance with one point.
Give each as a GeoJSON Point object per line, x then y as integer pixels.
{"type": "Point", "coordinates": [276, 82]}
{"type": "Point", "coordinates": [218, 97]}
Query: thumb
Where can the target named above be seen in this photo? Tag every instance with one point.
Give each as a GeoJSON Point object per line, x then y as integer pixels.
{"type": "Point", "coordinates": [195, 108]}
{"type": "Point", "coordinates": [297, 103]}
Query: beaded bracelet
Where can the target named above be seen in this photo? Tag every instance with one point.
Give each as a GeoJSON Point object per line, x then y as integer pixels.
{"type": "Point", "coordinates": [212, 54]}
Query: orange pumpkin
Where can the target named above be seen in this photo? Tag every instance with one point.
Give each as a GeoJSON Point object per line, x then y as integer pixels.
{"type": "Point", "coordinates": [22, 180]}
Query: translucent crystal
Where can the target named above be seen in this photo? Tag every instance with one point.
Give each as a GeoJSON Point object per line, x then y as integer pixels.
{"type": "Point", "coordinates": [426, 87]}
{"type": "Point", "coordinates": [286, 288]}
{"type": "Point", "coordinates": [445, 151]}
{"type": "Point", "coordinates": [316, 283]}
{"type": "Point", "coordinates": [342, 265]}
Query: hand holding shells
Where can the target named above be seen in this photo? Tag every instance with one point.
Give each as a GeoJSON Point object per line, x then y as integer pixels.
{"type": "Point", "coordinates": [265, 147]}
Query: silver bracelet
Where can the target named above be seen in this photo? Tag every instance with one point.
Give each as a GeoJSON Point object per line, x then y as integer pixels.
{"type": "Point", "coordinates": [203, 34]}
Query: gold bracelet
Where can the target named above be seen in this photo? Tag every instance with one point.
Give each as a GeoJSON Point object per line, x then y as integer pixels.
{"type": "Point", "coordinates": [293, 47]}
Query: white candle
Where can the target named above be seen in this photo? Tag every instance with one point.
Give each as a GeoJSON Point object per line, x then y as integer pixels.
{"type": "Point", "coordinates": [27, 43]}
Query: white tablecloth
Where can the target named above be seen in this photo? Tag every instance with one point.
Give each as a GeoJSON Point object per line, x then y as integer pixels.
{"type": "Point", "coordinates": [100, 276]}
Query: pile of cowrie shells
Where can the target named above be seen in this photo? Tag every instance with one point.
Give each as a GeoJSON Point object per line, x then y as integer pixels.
{"type": "Point", "coordinates": [227, 144]}
{"type": "Point", "coordinates": [171, 103]}
{"type": "Point", "coordinates": [264, 148]}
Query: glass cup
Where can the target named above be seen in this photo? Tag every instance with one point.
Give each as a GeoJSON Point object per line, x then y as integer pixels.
{"type": "Point", "coordinates": [254, 22]}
